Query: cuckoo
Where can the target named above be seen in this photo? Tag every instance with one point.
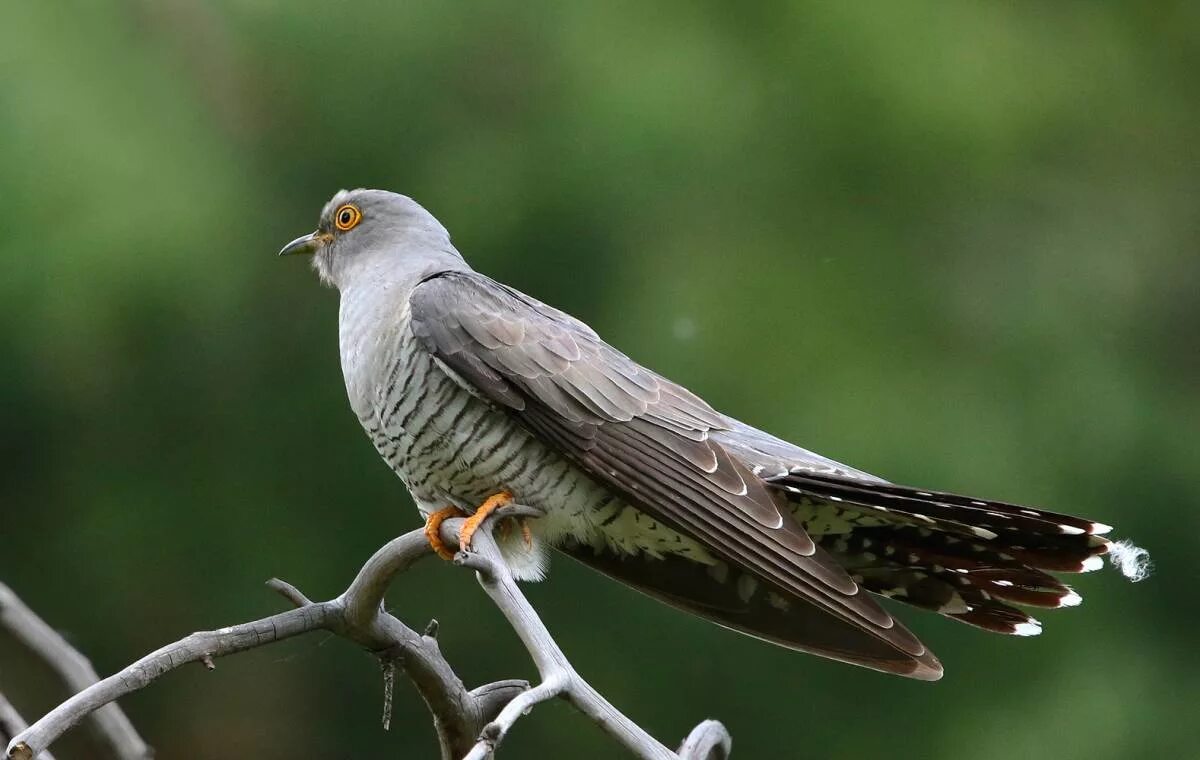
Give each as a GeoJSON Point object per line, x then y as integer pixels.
{"type": "Point", "coordinates": [479, 396]}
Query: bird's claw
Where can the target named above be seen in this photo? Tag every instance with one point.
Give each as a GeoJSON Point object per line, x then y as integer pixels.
{"type": "Point", "coordinates": [433, 528]}
{"type": "Point", "coordinates": [490, 505]}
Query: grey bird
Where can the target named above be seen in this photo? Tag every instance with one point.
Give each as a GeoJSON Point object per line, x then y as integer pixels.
{"type": "Point", "coordinates": [478, 395]}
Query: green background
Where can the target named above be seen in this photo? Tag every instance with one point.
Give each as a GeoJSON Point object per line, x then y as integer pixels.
{"type": "Point", "coordinates": [951, 243]}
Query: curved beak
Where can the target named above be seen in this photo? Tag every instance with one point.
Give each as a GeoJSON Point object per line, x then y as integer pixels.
{"type": "Point", "coordinates": [306, 244]}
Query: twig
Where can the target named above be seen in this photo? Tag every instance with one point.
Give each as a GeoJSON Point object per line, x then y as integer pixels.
{"type": "Point", "coordinates": [707, 741]}
{"type": "Point", "coordinates": [559, 678]}
{"type": "Point", "coordinates": [468, 723]}
{"type": "Point", "coordinates": [75, 671]}
{"type": "Point", "coordinates": [458, 714]}
{"type": "Point", "coordinates": [11, 724]}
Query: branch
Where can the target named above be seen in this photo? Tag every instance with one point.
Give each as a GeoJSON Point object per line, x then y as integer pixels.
{"type": "Point", "coordinates": [11, 724]}
{"type": "Point", "coordinates": [357, 615]}
{"type": "Point", "coordinates": [468, 723]}
{"type": "Point", "coordinates": [73, 668]}
{"type": "Point", "coordinates": [559, 678]}
{"type": "Point", "coordinates": [707, 741]}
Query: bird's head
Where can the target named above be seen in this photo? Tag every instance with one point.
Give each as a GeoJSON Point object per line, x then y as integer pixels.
{"type": "Point", "coordinates": [362, 230]}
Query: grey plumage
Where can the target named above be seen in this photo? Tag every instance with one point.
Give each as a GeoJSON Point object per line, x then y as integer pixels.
{"type": "Point", "coordinates": [468, 387]}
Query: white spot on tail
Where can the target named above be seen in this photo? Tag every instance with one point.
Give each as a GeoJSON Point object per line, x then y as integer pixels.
{"type": "Point", "coordinates": [956, 606]}
{"type": "Point", "coordinates": [1030, 628]}
{"type": "Point", "coordinates": [1132, 561]}
{"type": "Point", "coordinates": [1070, 600]}
{"type": "Point", "coordinates": [719, 572]}
{"type": "Point", "coordinates": [778, 602]}
{"type": "Point", "coordinates": [746, 586]}
{"type": "Point", "coordinates": [1099, 529]}
{"type": "Point", "coordinates": [1090, 564]}
{"type": "Point", "coordinates": [1071, 530]}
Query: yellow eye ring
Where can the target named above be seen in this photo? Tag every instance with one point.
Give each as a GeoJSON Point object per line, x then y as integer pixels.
{"type": "Point", "coordinates": [346, 217]}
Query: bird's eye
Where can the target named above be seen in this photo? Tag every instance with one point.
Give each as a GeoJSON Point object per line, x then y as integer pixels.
{"type": "Point", "coordinates": [347, 217]}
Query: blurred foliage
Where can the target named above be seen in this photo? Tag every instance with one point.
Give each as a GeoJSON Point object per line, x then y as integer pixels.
{"type": "Point", "coordinates": [952, 243]}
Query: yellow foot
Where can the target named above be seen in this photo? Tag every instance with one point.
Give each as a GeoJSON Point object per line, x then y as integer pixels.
{"type": "Point", "coordinates": [474, 521]}
{"type": "Point", "coordinates": [433, 526]}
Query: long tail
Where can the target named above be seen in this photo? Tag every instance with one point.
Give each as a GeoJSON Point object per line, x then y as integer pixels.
{"type": "Point", "coordinates": [962, 557]}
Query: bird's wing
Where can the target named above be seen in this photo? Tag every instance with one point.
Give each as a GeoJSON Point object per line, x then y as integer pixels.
{"type": "Point", "coordinates": [650, 441]}
{"type": "Point", "coordinates": [774, 457]}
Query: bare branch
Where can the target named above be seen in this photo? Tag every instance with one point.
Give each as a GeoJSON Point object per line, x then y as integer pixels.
{"type": "Point", "coordinates": [559, 678]}
{"type": "Point", "coordinates": [707, 741]}
{"type": "Point", "coordinates": [468, 723]}
{"type": "Point", "coordinates": [457, 714]}
{"type": "Point", "coordinates": [357, 615]}
{"type": "Point", "coordinates": [289, 592]}
{"type": "Point", "coordinates": [193, 648]}
{"type": "Point", "coordinates": [74, 669]}
{"type": "Point", "coordinates": [493, 733]}
{"type": "Point", "coordinates": [11, 724]}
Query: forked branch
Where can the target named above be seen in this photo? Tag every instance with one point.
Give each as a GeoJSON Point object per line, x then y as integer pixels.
{"type": "Point", "coordinates": [469, 723]}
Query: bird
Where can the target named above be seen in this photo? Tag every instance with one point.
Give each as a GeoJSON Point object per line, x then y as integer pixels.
{"type": "Point", "coordinates": [479, 396]}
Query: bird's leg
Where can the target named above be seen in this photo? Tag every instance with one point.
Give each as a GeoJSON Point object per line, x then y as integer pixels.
{"type": "Point", "coordinates": [490, 505]}
{"type": "Point", "coordinates": [433, 526]}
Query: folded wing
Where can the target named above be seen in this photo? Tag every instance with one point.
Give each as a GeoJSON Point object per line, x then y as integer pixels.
{"type": "Point", "coordinates": [652, 442]}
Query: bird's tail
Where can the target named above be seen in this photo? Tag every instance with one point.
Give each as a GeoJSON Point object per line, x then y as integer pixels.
{"type": "Point", "coordinates": [968, 559]}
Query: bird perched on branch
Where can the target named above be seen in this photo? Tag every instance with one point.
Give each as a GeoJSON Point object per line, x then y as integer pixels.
{"type": "Point", "coordinates": [479, 396]}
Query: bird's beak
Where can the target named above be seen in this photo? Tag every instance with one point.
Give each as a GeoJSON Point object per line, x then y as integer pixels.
{"type": "Point", "coordinates": [306, 244]}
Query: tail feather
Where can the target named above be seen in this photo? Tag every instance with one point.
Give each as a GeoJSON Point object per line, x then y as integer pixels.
{"type": "Point", "coordinates": [954, 511]}
{"type": "Point", "coordinates": [969, 589]}
{"type": "Point", "coordinates": [968, 559]}
{"type": "Point", "coordinates": [1000, 618]}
